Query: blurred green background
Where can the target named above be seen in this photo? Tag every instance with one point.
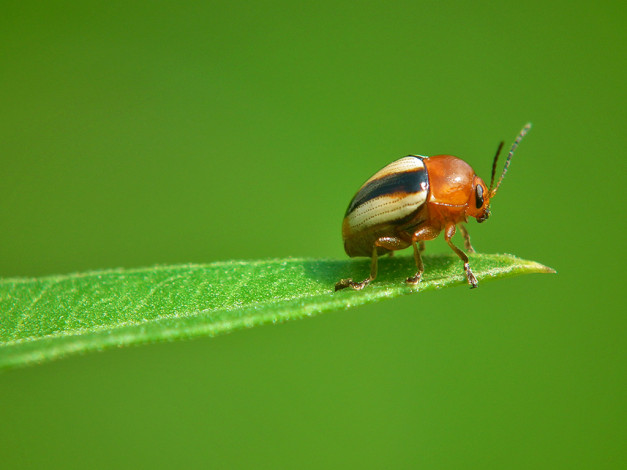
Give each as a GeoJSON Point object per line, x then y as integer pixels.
{"type": "Point", "coordinates": [142, 133]}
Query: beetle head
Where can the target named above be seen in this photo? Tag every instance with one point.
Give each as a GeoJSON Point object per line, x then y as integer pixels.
{"type": "Point", "coordinates": [478, 205]}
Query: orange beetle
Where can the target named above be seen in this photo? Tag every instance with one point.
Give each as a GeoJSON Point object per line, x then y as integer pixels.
{"type": "Point", "coordinates": [412, 200]}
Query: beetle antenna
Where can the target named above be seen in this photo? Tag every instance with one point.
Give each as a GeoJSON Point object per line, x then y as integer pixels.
{"type": "Point", "coordinates": [523, 132]}
{"type": "Point", "coordinates": [496, 159]}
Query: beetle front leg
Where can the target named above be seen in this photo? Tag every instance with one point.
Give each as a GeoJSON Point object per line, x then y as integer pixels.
{"type": "Point", "coordinates": [466, 236]}
{"type": "Point", "coordinates": [472, 280]}
{"type": "Point", "coordinates": [344, 283]}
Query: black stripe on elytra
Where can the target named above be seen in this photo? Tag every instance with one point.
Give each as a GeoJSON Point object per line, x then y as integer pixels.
{"type": "Point", "coordinates": [408, 181]}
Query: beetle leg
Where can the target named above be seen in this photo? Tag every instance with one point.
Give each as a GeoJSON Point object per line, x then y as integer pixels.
{"type": "Point", "coordinates": [417, 241]}
{"type": "Point", "coordinates": [418, 276]}
{"type": "Point", "coordinates": [450, 231]}
{"type": "Point", "coordinates": [466, 236]}
{"type": "Point", "coordinates": [343, 283]}
{"type": "Point", "coordinates": [390, 243]}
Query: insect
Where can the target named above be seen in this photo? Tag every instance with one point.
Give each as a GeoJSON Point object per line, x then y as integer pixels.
{"type": "Point", "coordinates": [412, 200]}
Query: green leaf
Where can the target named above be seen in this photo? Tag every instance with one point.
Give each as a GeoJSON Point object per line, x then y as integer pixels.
{"type": "Point", "coordinates": [50, 317]}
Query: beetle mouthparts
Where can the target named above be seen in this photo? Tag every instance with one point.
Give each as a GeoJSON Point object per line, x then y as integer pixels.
{"type": "Point", "coordinates": [485, 216]}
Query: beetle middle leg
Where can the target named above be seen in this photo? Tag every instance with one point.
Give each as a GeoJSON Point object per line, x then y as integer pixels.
{"type": "Point", "coordinates": [415, 279]}
{"type": "Point", "coordinates": [450, 231]}
{"type": "Point", "coordinates": [466, 236]}
{"type": "Point", "coordinates": [418, 243]}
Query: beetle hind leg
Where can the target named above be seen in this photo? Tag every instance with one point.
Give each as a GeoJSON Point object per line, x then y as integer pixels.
{"type": "Point", "coordinates": [390, 243]}
{"type": "Point", "coordinates": [344, 283]}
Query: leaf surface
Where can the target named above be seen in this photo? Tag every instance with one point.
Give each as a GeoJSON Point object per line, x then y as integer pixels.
{"type": "Point", "coordinates": [51, 317]}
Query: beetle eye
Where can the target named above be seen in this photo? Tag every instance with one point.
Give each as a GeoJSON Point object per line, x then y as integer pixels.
{"type": "Point", "coordinates": [479, 196]}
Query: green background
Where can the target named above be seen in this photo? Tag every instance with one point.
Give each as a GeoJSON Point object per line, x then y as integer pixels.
{"type": "Point", "coordinates": [134, 134]}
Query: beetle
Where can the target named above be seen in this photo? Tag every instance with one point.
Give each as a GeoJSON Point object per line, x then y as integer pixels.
{"type": "Point", "coordinates": [411, 201]}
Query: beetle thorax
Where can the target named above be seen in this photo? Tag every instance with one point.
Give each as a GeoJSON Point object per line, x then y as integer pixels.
{"type": "Point", "coordinates": [450, 180]}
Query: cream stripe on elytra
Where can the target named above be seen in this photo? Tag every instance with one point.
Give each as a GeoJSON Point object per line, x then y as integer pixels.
{"type": "Point", "coordinates": [391, 181]}
{"type": "Point", "coordinates": [385, 209]}
{"type": "Point", "coordinates": [398, 166]}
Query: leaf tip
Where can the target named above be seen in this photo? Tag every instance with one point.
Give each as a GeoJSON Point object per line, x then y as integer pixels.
{"type": "Point", "coordinates": [541, 268]}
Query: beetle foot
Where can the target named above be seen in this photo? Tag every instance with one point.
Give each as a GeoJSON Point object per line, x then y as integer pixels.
{"type": "Point", "coordinates": [414, 280]}
{"type": "Point", "coordinates": [472, 280]}
{"type": "Point", "coordinates": [344, 283]}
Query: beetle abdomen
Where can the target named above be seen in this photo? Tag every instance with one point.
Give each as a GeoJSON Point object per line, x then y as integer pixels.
{"type": "Point", "coordinates": [392, 195]}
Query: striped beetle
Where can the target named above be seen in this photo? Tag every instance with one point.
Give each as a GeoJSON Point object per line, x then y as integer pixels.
{"type": "Point", "coordinates": [412, 200]}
